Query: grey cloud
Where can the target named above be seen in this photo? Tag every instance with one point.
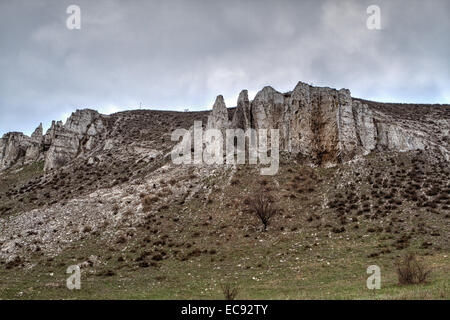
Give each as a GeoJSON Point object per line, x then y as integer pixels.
{"type": "Point", "coordinates": [181, 54]}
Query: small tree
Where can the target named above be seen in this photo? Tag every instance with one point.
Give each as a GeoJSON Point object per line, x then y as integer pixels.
{"type": "Point", "coordinates": [230, 292]}
{"type": "Point", "coordinates": [411, 271]}
{"type": "Point", "coordinates": [262, 206]}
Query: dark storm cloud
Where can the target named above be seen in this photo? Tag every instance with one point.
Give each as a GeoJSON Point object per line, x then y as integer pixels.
{"type": "Point", "coordinates": [181, 54]}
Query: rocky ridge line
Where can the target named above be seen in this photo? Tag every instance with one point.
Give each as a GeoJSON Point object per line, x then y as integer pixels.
{"type": "Point", "coordinates": [323, 126]}
{"type": "Point", "coordinates": [327, 126]}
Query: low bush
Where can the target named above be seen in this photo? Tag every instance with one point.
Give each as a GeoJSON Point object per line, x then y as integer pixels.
{"type": "Point", "coordinates": [229, 291]}
{"type": "Point", "coordinates": [411, 271]}
{"type": "Point", "coordinates": [263, 207]}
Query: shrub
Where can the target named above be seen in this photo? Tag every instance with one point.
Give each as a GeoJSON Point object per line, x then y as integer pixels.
{"type": "Point", "coordinates": [411, 271]}
{"type": "Point", "coordinates": [235, 182]}
{"type": "Point", "coordinates": [262, 206]}
{"type": "Point", "coordinates": [121, 239]}
{"type": "Point", "coordinates": [150, 199]}
{"type": "Point", "coordinates": [230, 292]}
{"type": "Point", "coordinates": [157, 257]}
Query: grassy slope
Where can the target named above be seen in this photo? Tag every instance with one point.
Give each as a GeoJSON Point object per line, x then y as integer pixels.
{"type": "Point", "coordinates": [13, 177]}
{"type": "Point", "coordinates": [263, 274]}
{"type": "Point", "coordinates": [210, 243]}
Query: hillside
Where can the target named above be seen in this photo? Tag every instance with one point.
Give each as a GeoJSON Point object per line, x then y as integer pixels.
{"type": "Point", "coordinates": [360, 183]}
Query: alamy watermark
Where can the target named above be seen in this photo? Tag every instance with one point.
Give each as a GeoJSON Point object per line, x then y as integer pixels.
{"type": "Point", "coordinates": [374, 281]}
{"type": "Point", "coordinates": [208, 147]}
{"type": "Point", "coordinates": [74, 281]}
{"type": "Point", "coordinates": [73, 22]}
{"type": "Point", "coordinates": [374, 19]}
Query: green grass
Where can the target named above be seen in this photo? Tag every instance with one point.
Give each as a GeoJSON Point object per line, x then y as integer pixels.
{"type": "Point", "coordinates": [294, 259]}
{"type": "Point", "coordinates": [17, 177]}
{"type": "Point", "coordinates": [258, 270]}
{"type": "Point", "coordinates": [13, 176]}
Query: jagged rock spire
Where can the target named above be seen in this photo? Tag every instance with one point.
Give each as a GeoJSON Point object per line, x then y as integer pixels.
{"type": "Point", "coordinates": [219, 115]}
{"type": "Point", "coordinates": [38, 133]}
{"type": "Point", "coordinates": [241, 118]}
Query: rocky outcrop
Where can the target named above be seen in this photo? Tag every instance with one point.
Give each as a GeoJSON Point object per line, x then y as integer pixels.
{"type": "Point", "coordinates": [242, 116]}
{"type": "Point", "coordinates": [37, 135]}
{"type": "Point", "coordinates": [17, 148]}
{"type": "Point", "coordinates": [60, 144]}
{"type": "Point", "coordinates": [323, 126]}
{"type": "Point", "coordinates": [219, 115]}
{"type": "Point", "coordinates": [79, 134]}
{"type": "Point", "coordinates": [13, 148]}
{"type": "Point", "coordinates": [327, 126]}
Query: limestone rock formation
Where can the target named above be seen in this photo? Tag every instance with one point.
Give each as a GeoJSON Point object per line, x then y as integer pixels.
{"type": "Point", "coordinates": [322, 126]}
{"type": "Point", "coordinates": [37, 135]}
{"type": "Point", "coordinates": [74, 138]}
{"type": "Point", "coordinates": [219, 115]}
{"type": "Point", "coordinates": [17, 148]}
{"type": "Point", "coordinates": [327, 126]}
{"type": "Point", "coordinates": [60, 144]}
{"type": "Point", "coordinates": [13, 148]}
{"type": "Point", "coordinates": [242, 117]}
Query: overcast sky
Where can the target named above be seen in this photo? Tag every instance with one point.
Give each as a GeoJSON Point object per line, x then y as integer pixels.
{"type": "Point", "coordinates": [181, 54]}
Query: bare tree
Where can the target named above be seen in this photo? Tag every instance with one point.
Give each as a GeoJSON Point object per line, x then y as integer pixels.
{"type": "Point", "coordinates": [263, 207]}
{"type": "Point", "coordinates": [230, 292]}
{"type": "Point", "coordinates": [411, 271]}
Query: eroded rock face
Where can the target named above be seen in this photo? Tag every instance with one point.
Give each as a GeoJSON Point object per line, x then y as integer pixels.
{"type": "Point", "coordinates": [327, 126]}
{"type": "Point", "coordinates": [37, 135]}
{"type": "Point", "coordinates": [78, 135]}
{"type": "Point", "coordinates": [242, 116]}
{"type": "Point", "coordinates": [17, 148]}
{"type": "Point", "coordinates": [60, 144]}
{"type": "Point", "coordinates": [365, 128]}
{"type": "Point", "coordinates": [219, 115]}
{"type": "Point", "coordinates": [323, 126]}
{"type": "Point", "coordinates": [14, 146]}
